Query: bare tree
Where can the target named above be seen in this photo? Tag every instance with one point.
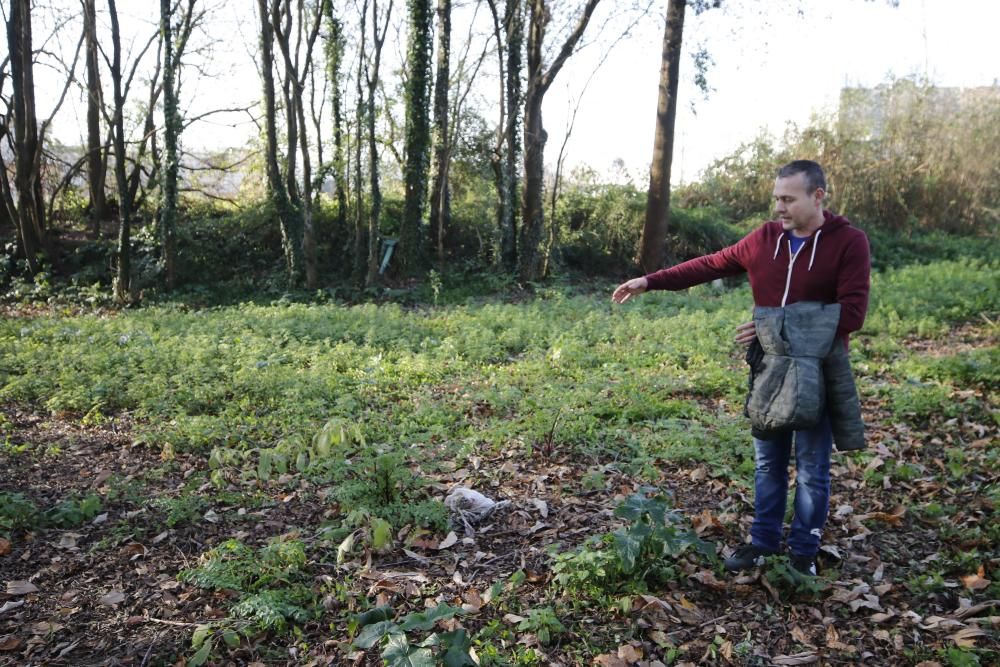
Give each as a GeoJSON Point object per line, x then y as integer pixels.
{"type": "Point", "coordinates": [372, 80]}
{"type": "Point", "coordinates": [530, 257]}
{"type": "Point", "coordinates": [29, 211]}
{"type": "Point", "coordinates": [97, 163]}
{"type": "Point", "coordinates": [297, 69]}
{"type": "Point", "coordinates": [123, 276]}
{"type": "Point", "coordinates": [440, 205]}
{"type": "Point", "coordinates": [506, 155]}
{"type": "Point", "coordinates": [289, 225]}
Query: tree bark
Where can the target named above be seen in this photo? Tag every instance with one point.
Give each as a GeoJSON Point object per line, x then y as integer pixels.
{"type": "Point", "coordinates": [296, 74]}
{"type": "Point", "coordinates": [171, 132]}
{"type": "Point", "coordinates": [360, 257]}
{"type": "Point", "coordinates": [334, 60]}
{"type": "Point", "coordinates": [511, 186]}
{"type": "Point", "coordinates": [291, 233]}
{"type": "Point", "coordinates": [372, 76]}
{"type": "Point", "coordinates": [531, 261]}
{"type": "Point", "coordinates": [418, 134]}
{"type": "Point", "coordinates": [29, 216]}
{"type": "Point", "coordinates": [654, 230]}
{"type": "Point", "coordinates": [123, 277]}
{"type": "Point", "coordinates": [97, 166]}
{"type": "Point", "coordinates": [440, 204]}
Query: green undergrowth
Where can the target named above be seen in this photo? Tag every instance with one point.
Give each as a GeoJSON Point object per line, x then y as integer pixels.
{"type": "Point", "coordinates": [560, 371]}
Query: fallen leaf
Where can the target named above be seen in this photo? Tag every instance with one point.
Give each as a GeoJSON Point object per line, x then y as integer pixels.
{"type": "Point", "coordinates": [46, 628]}
{"type": "Point", "coordinates": [5, 547]}
{"type": "Point", "coordinates": [448, 541]}
{"type": "Point", "coordinates": [21, 588]}
{"type": "Point", "coordinates": [966, 637]}
{"type": "Point", "coordinates": [68, 541]}
{"type": "Point", "coordinates": [609, 660]}
{"type": "Point", "coordinates": [512, 618]}
{"type": "Point", "coordinates": [541, 506]}
{"type": "Point", "coordinates": [629, 653]}
{"type": "Point", "coordinates": [10, 643]}
{"type": "Point", "coordinates": [799, 635]}
{"type": "Point", "coordinates": [112, 598]}
{"type": "Point", "coordinates": [976, 582]}
{"type": "Point", "coordinates": [102, 477]}
{"type": "Point", "coordinates": [10, 604]}
{"type": "Point", "coordinates": [805, 658]}
{"type": "Point", "coordinates": [708, 578]}
{"type": "Point", "coordinates": [132, 550]}
{"type": "Point", "coordinates": [894, 517]}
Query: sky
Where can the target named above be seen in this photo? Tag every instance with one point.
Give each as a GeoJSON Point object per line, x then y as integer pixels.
{"type": "Point", "coordinates": [774, 62]}
{"type": "Point", "coordinates": [772, 66]}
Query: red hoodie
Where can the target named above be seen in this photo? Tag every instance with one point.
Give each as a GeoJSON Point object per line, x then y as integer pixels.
{"type": "Point", "coordinates": [832, 266]}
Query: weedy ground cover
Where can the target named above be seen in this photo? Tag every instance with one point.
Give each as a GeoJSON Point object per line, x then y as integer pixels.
{"type": "Point", "coordinates": [341, 428]}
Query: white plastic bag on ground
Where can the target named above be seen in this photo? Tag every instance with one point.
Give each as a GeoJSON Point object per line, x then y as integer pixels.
{"type": "Point", "coordinates": [468, 507]}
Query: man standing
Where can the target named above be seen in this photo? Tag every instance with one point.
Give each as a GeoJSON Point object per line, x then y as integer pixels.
{"type": "Point", "coordinates": [806, 254]}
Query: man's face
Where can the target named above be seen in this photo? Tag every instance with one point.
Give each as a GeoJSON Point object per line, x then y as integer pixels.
{"type": "Point", "coordinates": [796, 207]}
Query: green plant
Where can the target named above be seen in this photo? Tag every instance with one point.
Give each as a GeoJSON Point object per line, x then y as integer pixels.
{"type": "Point", "coordinates": [544, 623]}
{"type": "Point", "coordinates": [17, 512]}
{"type": "Point", "coordinates": [271, 582]}
{"type": "Point", "coordinates": [785, 577]}
{"type": "Point", "coordinates": [399, 647]}
{"type": "Point", "coordinates": [644, 552]}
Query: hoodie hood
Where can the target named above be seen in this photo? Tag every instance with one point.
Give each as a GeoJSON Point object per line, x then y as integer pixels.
{"type": "Point", "coordinates": [831, 223]}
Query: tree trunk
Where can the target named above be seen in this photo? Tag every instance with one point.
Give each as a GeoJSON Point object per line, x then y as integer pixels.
{"type": "Point", "coordinates": [418, 134]}
{"type": "Point", "coordinates": [373, 169]}
{"type": "Point", "coordinates": [96, 162]}
{"type": "Point", "coordinates": [440, 203]}
{"type": "Point", "coordinates": [360, 257]}
{"type": "Point", "coordinates": [291, 234]}
{"type": "Point", "coordinates": [123, 278]}
{"type": "Point", "coordinates": [30, 212]}
{"type": "Point", "coordinates": [514, 28]}
{"type": "Point", "coordinates": [296, 75]}
{"type": "Point", "coordinates": [334, 60]}
{"type": "Point", "coordinates": [531, 260]}
{"type": "Point", "coordinates": [171, 132]}
{"type": "Point", "coordinates": [654, 230]}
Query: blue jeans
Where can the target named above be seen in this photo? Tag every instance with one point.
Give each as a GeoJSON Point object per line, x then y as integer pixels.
{"type": "Point", "coordinates": [812, 489]}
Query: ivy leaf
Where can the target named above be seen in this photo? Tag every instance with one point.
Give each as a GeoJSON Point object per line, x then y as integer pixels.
{"type": "Point", "coordinates": [201, 633]}
{"type": "Point", "coordinates": [425, 620]}
{"type": "Point", "coordinates": [373, 634]}
{"type": "Point", "coordinates": [629, 546]}
{"type": "Point", "coordinates": [201, 656]}
{"type": "Point", "coordinates": [639, 504]}
{"type": "Point", "coordinates": [399, 653]}
{"type": "Point", "coordinates": [458, 644]}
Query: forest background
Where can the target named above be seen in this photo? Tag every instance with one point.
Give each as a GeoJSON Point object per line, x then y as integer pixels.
{"type": "Point", "coordinates": [389, 126]}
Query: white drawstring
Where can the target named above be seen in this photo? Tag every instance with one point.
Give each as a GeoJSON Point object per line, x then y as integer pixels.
{"type": "Point", "coordinates": [812, 255]}
{"type": "Point", "coordinates": [777, 246]}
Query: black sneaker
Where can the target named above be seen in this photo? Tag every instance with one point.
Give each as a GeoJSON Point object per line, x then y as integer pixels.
{"type": "Point", "coordinates": [803, 564]}
{"type": "Point", "coordinates": [747, 557]}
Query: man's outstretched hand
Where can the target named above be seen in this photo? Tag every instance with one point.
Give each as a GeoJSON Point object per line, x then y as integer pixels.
{"type": "Point", "coordinates": [627, 290]}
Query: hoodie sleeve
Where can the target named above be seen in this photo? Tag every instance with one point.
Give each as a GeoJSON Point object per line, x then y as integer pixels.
{"type": "Point", "coordinates": [853, 284]}
{"type": "Point", "coordinates": [729, 261]}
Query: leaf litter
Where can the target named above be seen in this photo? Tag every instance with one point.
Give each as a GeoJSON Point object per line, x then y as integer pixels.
{"type": "Point", "coordinates": [109, 590]}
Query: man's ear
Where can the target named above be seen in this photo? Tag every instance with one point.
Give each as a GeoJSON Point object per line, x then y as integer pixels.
{"type": "Point", "coordinates": [818, 196]}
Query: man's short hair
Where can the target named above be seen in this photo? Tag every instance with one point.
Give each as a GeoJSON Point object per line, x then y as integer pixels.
{"type": "Point", "coordinates": [815, 178]}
